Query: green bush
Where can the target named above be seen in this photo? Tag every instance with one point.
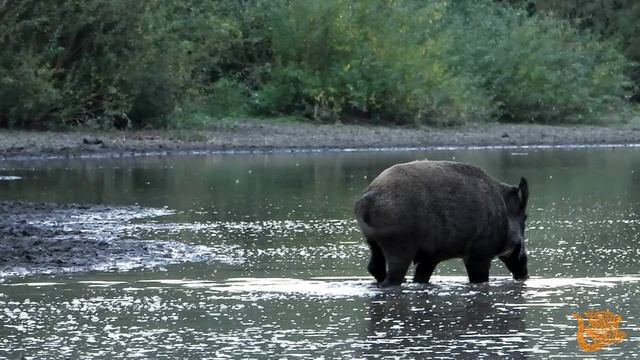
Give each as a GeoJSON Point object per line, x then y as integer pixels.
{"type": "Point", "coordinates": [436, 63]}
{"type": "Point", "coordinates": [537, 68]}
{"type": "Point", "coordinates": [335, 58]}
{"type": "Point", "coordinates": [613, 21]}
{"type": "Point", "coordinates": [78, 62]}
{"type": "Point", "coordinates": [154, 63]}
{"type": "Point", "coordinates": [62, 61]}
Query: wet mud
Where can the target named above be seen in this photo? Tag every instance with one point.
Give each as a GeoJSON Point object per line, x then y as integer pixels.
{"type": "Point", "coordinates": [264, 136]}
{"type": "Point", "coordinates": [46, 238]}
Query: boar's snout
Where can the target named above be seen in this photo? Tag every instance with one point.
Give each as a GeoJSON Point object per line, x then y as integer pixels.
{"type": "Point", "coordinates": [516, 200]}
{"type": "Point", "coordinates": [516, 262]}
{"type": "Point", "coordinates": [520, 271]}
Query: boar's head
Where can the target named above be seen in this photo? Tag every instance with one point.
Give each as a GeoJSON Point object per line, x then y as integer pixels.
{"type": "Point", "coordinates": [516, 258]}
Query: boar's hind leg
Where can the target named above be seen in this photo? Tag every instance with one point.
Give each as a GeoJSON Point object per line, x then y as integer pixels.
{"type": "Point", "coordinates": [377, 266]}
{"type": "Point", "coordinates": [477, 269]}
{"type": "Point", "coordinates": [396, 272]}
{"type": "Point", "coordinates": [423, 272]}
{"type": "Point", "coordinates": [398, 262]}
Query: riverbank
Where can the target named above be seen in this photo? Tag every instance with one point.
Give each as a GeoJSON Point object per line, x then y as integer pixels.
{"type": "Point", "coordinates": [253, 135]}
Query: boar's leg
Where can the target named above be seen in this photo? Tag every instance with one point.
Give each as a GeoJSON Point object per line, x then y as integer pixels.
{"type": "Point", "coordinates": [478, 268]}
{"type": "Point", "coordinates": [398, 262]}
{"type": "Point", "coordinates": [377, 266]}
{"type": "Point", "coordinates": [396, 272]}
{"type": "Point", "coordinates": [424, 269]}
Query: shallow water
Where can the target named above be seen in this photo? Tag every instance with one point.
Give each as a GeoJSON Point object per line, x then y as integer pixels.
{"type": "Point", "coordinates": [285, 273]}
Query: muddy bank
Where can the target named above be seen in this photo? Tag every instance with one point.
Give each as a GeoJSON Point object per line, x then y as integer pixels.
{"type": "Point", "coordinates": [252, 135]}
{"type": "Point", "coordinates": [51, 238]}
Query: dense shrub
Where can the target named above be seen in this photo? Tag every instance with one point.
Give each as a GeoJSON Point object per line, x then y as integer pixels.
{"type": "Point", "coordinates": [62, 61]}
{"type": "Point", "coordinates": [612, 20]}
{"type": "Point", "coordinates": [77, 62]}
{"type": "Point", "coordinates": [153, 62]}
{"type": "Point", "coordinates": [537, 68]}
{"type": "Point", "coordinates": [367, 59]}
{"type": "Point", "coordinates": [437, 62]}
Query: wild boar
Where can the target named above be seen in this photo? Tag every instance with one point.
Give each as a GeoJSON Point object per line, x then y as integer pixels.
{"type": "Point", "coordinates": [431, 211]}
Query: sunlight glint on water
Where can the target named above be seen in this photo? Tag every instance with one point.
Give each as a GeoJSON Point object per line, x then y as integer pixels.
{"type": "Point", "coordinates": [285, 268]}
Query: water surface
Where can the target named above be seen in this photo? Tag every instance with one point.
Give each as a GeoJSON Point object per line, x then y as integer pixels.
{"type": "Point", "coordinates": [288, 276]}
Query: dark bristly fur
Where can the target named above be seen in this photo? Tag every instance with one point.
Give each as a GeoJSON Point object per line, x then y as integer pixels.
{"type": "Point", "coordinates": [429, 211]}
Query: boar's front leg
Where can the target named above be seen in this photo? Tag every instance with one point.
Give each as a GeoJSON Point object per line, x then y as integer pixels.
{"type": "Point", "coordinates": [477, 268]}
{"type": "Point", "coordinates": [377, 265]}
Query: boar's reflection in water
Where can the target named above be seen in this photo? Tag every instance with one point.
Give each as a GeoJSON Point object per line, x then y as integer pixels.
{"type": "Point", "coordinates": [431, 211]}
{"type": "Point", "coordinates": [448, 324]}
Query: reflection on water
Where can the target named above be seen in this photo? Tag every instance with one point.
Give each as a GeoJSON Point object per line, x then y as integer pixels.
{"type": "Point", "coordinates": [293, 282]}
{"type": "Point", "coordinates": [334, 317]}
{"type": "Point", "coordinates": [458, 324]}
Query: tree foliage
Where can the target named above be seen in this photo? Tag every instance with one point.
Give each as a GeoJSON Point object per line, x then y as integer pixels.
{"type": "Point", "coordinates": [70, 62]}
{"type": "Point", "coordinates": [612, 20]}
{"type": "Point", "coordinates": [158, 63]}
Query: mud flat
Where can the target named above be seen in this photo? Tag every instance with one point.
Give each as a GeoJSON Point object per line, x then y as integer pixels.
{"type": "Point", "coordinates": [48, 238]}
{"type": "Point", "coordinates": [253, 135]}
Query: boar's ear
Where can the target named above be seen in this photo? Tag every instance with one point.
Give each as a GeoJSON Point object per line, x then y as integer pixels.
{"type": "Point", "coordinates": [523, 193]}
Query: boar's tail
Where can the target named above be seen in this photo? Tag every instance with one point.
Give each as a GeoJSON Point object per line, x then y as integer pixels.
{"type": "Point", "coordinates": [362, 212]}
{"type": "Point", "coordinates": [363, 215]}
